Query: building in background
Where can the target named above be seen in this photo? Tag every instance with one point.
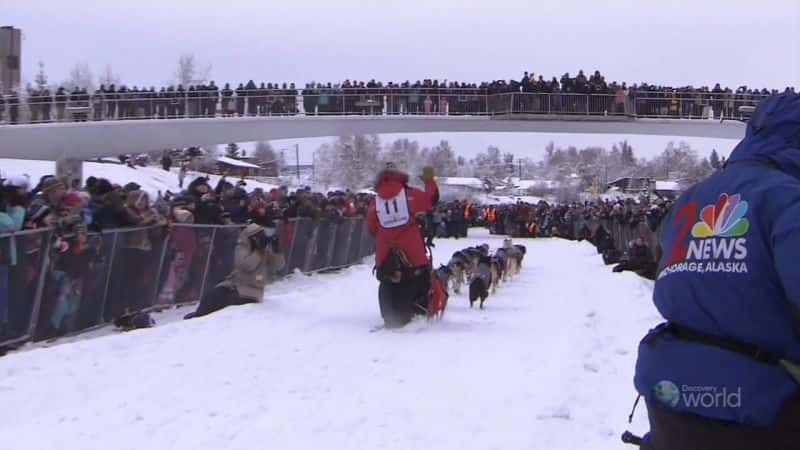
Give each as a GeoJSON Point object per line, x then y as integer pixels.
{"type": "Point", "coordinates": [10, 58]}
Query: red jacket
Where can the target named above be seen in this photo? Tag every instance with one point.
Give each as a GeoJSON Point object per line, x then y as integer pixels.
{"type": "Point", "coordinates": [394, 224]}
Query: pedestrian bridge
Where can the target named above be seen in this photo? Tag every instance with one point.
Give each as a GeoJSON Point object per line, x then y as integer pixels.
{"type": "Point", "coordinates": [82, 140]}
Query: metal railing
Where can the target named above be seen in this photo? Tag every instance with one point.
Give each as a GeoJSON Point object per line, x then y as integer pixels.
{"type": "Point", "coordinates": [46, 293]}
{"type": "Point", "coordinates": [370, 102]}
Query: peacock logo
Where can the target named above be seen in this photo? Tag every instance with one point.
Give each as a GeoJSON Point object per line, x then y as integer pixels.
{"type": "Point", "coordinates": [723, 219]}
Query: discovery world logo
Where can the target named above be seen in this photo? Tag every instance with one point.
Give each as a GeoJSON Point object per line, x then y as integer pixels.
{"type": "Point", "coordinates": [669, 394]}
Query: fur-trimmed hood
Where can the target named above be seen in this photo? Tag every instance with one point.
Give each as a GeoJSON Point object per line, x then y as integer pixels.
{"type": "Point", "coordinates": [389, 182]}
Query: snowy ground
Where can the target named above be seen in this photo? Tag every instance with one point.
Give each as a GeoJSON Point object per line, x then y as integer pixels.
{"type": "Point", "coordinates": [548, 365]}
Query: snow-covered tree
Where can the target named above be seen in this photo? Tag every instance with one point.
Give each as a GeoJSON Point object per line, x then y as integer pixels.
{"type": "Point", "coordinates": [443, 160]}
{"type": "Point", "coordinates": [349, 162]}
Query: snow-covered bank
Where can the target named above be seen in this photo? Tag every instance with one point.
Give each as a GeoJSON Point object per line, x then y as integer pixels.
{"type": "Point", "coordinates": [548, 365]}
{"type": "Point", "coordinates": [151, 179]}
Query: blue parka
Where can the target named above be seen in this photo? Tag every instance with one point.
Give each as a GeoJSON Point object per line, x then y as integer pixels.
{"type": "Point", "coordinates": [731, 270]}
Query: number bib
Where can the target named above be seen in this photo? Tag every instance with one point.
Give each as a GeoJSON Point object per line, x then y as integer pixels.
{"type": "Point", "coordinates": [392, 212]}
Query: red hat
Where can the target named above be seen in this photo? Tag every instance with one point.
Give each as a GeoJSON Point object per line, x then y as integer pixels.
{"type": "Point", "coordinates": [71, 199]}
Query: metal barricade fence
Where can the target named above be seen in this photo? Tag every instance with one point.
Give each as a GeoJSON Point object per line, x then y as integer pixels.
{"type": "Point", "coordinates": [303, 233]}
{"type": "Point", "coordinates": [135, 264]}
{"type": "Point", "coordinates": [23, 259]}
{"type": "Point", "coordinates": [622, 233]}
{"type": "Point", "coordinates": [184, 262]}
{"type": "Point", "coordinates": [75, 286]}
{"type": "Point", "coordinates": [342, 244]}
{"type": "Point", "coordinates": [49, 291]}
{"type": "Point", "coordinates": [320, 250]}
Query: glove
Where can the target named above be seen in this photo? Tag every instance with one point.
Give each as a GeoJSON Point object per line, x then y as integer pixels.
{"type": "Point", "coordinates": [427, 173]}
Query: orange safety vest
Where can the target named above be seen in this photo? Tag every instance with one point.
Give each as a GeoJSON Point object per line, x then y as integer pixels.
{"type": "Point", "coordinates": [467, 210]}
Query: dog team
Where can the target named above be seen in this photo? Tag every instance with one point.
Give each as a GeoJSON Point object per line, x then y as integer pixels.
{"type": "Point", "coordinates": [482, 273]}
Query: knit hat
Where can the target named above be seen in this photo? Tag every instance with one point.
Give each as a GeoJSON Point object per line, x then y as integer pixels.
{"type": "Point", "coordinates": [253, 229]}
{"type": "Point", "coordinates": [101, 187]}
{"type": "Point", "coordinates": [130, 187]}
{"type": "Point", "coordinates": [18, 181]}
{"type": "Point", "coordinates": [52, 184]}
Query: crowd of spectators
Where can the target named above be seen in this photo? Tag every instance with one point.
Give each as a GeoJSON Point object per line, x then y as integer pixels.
{"type": "Point", "coordinates": [93, 278]}
{"type": "Point", "coordinates": [622, 230]}
{"type": "Point", "coordinates": [537, 94]}
{"type": "Point", "coordinates": [101, 204]}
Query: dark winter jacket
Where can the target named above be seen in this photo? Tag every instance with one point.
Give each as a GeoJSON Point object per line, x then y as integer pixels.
{"type": "Point", "coordinates": [730, 270]}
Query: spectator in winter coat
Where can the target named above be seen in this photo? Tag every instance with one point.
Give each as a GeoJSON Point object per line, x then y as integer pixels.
{"type": "Point", "coordinates": [182, 174]}
{"type": "Point", "coordinates": [48, 209]}
{"type": "Point", "coordinates": [166, 162]}
{"type": "Point", "coordinates": [183, 245]}
{"type": "Point", "coordinates": [257, 258]}
{"type": "Point", "coordinates": [729, 290]}
{"type": "Point", "coordinates": [640, 260]}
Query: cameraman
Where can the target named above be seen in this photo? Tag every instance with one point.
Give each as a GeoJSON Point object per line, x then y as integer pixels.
{"type": "Point", "coordinates": [256, 259]}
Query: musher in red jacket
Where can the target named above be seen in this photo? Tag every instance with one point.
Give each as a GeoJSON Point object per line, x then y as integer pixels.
{"type": "Point", "coordinates": [402, 265]}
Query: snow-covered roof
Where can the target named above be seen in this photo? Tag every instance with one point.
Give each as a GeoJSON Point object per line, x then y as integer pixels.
{"type": "Point", "coordinates": [461, 181]}
{"type": "Point", "coordinates": [667, 186]}
{"type": "Point", "coordinates": [236, 162]}
{"type": "Point", "coordinates": [527, 184]}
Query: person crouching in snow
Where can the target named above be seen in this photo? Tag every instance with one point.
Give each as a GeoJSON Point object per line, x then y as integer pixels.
{"type": "Point", "coordinates": [256, 258]}
{"type": "Point", "coordinates": [401, 264]}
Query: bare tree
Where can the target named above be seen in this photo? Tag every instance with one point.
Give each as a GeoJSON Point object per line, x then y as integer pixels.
{"type": "Point", "coordinates": [190, 71]}
{"type": "Point", "coordinates": [108, 77]}
{"type": "Point", "coordinates": [80, 76]}
{"type": "Point", "coordinates": [265, 156]}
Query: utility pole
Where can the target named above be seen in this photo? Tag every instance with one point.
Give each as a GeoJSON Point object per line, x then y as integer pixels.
{"type": "Point", "coordinates": [297, 160]}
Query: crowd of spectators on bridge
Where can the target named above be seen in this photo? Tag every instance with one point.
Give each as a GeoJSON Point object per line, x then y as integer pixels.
{"type": "Point", "coordinates": [535, 94]}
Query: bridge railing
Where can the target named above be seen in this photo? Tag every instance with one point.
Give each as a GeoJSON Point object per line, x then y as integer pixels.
{"type": "Point", "coordinates": [48, 292]}
{"type": "Point", "coordinates": [370, 102]}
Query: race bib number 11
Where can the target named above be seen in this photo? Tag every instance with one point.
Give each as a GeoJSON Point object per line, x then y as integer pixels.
{"type": "Point", "coordinates": [392, 212]}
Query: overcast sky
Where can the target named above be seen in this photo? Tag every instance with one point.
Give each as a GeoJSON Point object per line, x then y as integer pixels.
{"type": "Point", "coordinates": [675, 42]}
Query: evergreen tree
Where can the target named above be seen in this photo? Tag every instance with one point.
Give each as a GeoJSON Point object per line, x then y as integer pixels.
{"type": "Point", "coordinates": [714, 160]}
{"type": "Point", "coordinates": [232, 150]}
{"type": "Point", "coordinates": [41, 78]}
